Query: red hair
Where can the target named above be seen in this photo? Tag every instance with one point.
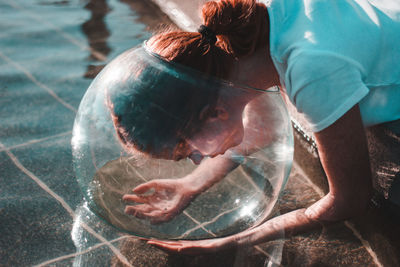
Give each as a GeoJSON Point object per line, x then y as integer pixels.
{"type": "Point", "coordinates": [241, 26]}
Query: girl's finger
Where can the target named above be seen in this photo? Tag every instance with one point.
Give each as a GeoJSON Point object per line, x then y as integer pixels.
{"type": "Point", "coordinates": [176, 246]}
{"type": "Point", "coordinates": [136, 198]}
{"type": "Point", "coordinates": [138, 210]}
{"type": "Point", "coordinates": [143, 188]}
{"type": "Point", "coordinates": [191, 248]}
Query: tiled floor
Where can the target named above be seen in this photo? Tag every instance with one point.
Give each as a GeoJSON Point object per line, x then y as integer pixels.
{"type": "Point", "coordinates": [49, 50]}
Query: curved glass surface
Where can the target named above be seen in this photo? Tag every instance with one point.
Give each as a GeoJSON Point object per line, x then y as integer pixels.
{"type": "Point", "coordinates": [213, 156]}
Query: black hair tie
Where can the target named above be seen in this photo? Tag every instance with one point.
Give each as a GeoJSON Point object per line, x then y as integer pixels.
{"type": "Point", "coordinates": [207, 34]}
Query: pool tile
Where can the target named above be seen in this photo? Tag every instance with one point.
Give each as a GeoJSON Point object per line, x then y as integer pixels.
{"type": "Point", "coordinates": [33, 225]}
{"type": "Point", "coordinates": [51, 162]}
{"type": "Point", "coordinates": [39, 117]}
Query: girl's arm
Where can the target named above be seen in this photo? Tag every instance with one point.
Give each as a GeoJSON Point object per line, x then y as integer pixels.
{"type": "Point", "coordinates": [343, 152]}
{"type": "Point", "coordinates": [344, 157]}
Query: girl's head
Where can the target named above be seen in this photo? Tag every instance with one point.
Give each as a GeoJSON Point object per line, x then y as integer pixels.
{"type": "Point", "coordinates": [241, 27]}
{"type": "Point", "coordinates": [171, 119]}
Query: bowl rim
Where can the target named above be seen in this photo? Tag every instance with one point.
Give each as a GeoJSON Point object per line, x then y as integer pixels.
{"type": "Point", "coordinates": [200, 75]}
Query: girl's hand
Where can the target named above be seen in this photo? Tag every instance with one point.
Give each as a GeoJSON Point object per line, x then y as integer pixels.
{"type": "Point", "coordinates": [196, 247]}
{"type": "Point", "coordinates": [286, 224]}
{"type": "Point", "coordinates": [161, 200]}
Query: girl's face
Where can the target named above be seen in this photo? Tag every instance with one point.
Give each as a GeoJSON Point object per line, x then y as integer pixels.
{"type": "Point", "coordinates": [220, 132]}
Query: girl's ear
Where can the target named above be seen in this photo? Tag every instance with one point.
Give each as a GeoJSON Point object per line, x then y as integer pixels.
{"type": "Point", "coordinates": [218, 113]}
{"type": "Point", "coordinates": [222, 113]}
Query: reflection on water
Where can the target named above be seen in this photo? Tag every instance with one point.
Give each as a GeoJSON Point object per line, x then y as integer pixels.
{"type": "Point", "coordinates": [62, 2]}
{"type": "Point", "coordinates": [97, 33]}
{"type": "Point", "coordinates": [95, 28]}
{"type": "Point", "coordinates": [149, 14]}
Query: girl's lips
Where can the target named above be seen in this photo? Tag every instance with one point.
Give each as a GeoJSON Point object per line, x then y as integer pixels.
{"type": "Point", "coordinates": [196, 158]}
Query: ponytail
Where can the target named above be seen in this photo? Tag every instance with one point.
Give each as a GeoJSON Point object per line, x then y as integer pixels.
{"type": "Point", "coordinates": [241, 26]}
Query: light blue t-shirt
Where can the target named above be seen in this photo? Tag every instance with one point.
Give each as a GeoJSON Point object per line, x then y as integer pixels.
{"type": "Point", "coordinates": [331, 55]}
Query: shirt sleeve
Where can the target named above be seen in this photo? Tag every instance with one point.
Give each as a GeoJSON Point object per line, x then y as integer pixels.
{"type": "Point", "coordinates": [323, 86]}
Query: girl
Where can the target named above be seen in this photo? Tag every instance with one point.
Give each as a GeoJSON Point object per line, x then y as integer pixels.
{"type": "Point", "coordinates": [337, 62]}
